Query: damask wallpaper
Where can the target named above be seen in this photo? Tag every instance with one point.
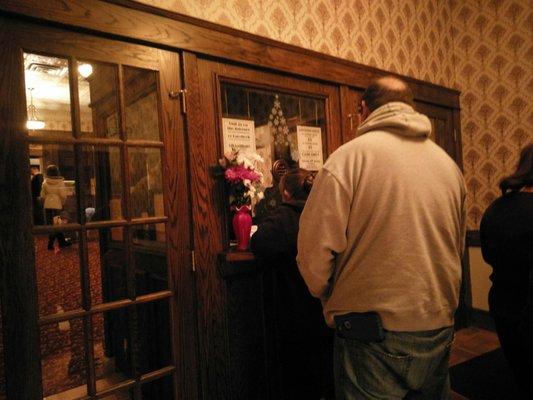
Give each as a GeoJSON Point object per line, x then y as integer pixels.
{"type": "Point", "coordinates": [493, 64]}
{"type": "Point", "coordinates": [482, 47]}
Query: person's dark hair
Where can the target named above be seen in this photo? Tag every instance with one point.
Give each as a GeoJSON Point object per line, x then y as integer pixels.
{"type": "Point", "coordinates": [386, 90]}
{"type": "Point", "coordinates": [52, 170]}
{"type": "Point", "coordinates": [523, 176]}
{"type": "Point", "coordinates": [297, 182]}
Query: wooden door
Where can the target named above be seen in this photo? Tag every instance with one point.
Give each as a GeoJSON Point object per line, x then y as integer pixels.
{"type": "Point", "coordinates": [217, 90]}
{"type": "Point", "coordinates": [96, 271]}
{"type": "Point", "coordinates": [444, 132]}
{"type": "Point", "coordinates": [445, 121]}
{"type": "Point", "coordinates": [350, 100]}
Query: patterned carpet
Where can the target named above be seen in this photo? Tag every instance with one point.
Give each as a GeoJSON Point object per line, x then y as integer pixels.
{"type": "Point", "coordinates": [59, 290]}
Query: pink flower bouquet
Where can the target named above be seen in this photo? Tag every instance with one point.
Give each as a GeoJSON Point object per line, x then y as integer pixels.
{"type": "Point", "coordinates": [243, 178]}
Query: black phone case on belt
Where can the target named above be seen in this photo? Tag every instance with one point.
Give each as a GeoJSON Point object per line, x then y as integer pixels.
{"type": "Point", "coordinates": [360, 326]}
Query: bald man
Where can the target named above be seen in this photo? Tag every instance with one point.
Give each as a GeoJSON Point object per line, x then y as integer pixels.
{"type": "Point", "coordinates": [380, 243]}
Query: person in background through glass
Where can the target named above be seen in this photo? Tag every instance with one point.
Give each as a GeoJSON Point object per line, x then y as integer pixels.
{"type": "Point", "coordinates": [54, 194]}
{"type": "Point", "coordinates": [306, 343]}
{"type": "Point", "coordinates": [36, 184]}
{"type": "Point", "coordinates": [506, 234]}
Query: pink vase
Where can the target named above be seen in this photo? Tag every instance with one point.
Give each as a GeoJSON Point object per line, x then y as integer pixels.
{"type": "Point", "coordinates": [242, 225]}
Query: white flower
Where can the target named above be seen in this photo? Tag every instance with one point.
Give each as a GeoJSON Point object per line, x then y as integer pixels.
{"type": "Point", "coordinates": [247, 183]}
{"type": "Point", "coordinates": [230, 155]}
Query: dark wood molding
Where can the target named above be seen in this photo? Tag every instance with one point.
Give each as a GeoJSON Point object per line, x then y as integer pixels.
{"type": "Point", "coordinates": [17, 256]}
{"type": "Point", "coordinates": [142, 23]}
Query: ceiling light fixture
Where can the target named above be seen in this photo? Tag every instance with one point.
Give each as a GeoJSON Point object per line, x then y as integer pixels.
{"type": "Point", "coordinates": [85, 70]}
{"type": "Point", "coordinates": [33, 122]}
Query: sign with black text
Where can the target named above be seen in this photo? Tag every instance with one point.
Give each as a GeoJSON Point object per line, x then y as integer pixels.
{"type": "Point", "coordinates": [310, 147]}
{"type": "Point", "coordinates": [238, 134]}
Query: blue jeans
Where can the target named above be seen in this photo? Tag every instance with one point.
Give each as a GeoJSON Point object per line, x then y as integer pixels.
{"type": "Point", "coordinates": [406, 365]}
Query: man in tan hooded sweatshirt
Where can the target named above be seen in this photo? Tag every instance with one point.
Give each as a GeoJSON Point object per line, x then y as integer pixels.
{"type": "Point", "coordinates": [383, 232]}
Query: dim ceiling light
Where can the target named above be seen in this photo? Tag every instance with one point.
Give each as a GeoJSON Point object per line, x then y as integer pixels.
{"type": "Point", "coordinates": [85, 70]}
{"type": "Point", "coordinates": [33, 122]}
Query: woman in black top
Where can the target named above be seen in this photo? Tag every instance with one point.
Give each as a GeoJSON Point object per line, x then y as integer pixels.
{"type": "Point", "coordinates": [506, 233]}
{"type": "Point", "coordinates": [305, 341]}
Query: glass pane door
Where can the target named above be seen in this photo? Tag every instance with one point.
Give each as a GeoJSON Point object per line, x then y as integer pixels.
{"type": "Point", "coordinates": [97, 132]}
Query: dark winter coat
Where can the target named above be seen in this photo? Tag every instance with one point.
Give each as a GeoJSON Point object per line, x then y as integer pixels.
{"type": "Point", "coordinates": [274, 243]}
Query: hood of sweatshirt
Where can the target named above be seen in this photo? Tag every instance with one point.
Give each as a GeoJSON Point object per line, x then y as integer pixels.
{"type": "Point", "coordinates": [399, 118]}
{"type": "Point", "coordinates": [54, 180]}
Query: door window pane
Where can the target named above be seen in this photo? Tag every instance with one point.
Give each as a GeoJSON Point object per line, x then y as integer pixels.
{"type": "Point", "coordinates": [102, 182]}
{"type": "Point", "coordinates": [97, 88]}
{"type": "Point", "coordinates": [150, 254]}
{"type": "Point", "coordinates": [141, 104]}
{"type": "Point", "coordinates": [156, 351]}
{"type": "Point", "coordinates": [146, 186]}
{"type": "Point", "coordinates": [112, 348]}
{"type": "Point", "coordinates": [57, 265]}
{"type": "Point", "coordinates": [158, 389]}
{"type": "Point", "coordinates": [47, 95]}
{"type": "Point", "coordinates": [277, 116]}
{"type": "Point", "coordinates": [53, 184]}
{"type": "Point", "coordinates": [107, 265]}
{"type": "Point", "coordinates": [63, 360]}
{"type": "Point", "coordinates": [126, 394]}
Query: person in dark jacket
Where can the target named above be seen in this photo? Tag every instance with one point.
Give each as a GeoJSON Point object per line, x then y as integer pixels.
{"type": "Point", "coordinates": [305, 347]}
{"type": "Point", "coordinates": [506, 234]}
{"type": "Point", "coordinates": [36, 185]}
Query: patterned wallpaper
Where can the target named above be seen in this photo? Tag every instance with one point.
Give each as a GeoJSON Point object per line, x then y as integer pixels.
{"type": "Point", "coordinates": [493, 61]}
{"type": "Point", "coordinates": [482, 47]}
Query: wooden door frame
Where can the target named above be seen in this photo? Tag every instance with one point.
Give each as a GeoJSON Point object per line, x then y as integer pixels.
{"type": "Point", "coordinates": [17, 273]}
{"type": "Point", "coordinates": [202, 79]}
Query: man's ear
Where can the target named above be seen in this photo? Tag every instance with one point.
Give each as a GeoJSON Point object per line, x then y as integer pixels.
{"type": "Point", "coordinates": [365, 111]}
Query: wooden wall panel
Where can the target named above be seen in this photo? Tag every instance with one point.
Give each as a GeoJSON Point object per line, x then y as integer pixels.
{"type": "Point", "coordinates": [202, 79]}
{"type": "Point", "coordinates": [178, 210]}
{"type": "Point", "coordinates": [207, 232]}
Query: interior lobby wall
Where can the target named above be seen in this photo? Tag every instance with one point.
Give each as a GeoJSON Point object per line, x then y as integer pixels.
{"type": "Point", "coordinates": [482, 48]}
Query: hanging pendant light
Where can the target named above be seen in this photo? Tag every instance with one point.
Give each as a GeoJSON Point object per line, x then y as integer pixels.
{"type": "Point", "coordinates": [33, 122]}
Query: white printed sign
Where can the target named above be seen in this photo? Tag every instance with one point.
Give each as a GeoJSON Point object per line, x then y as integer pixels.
{"type": "Point", "coordinates": [238, 134]}
{"type": "Point", "coordinates": [310, 147]}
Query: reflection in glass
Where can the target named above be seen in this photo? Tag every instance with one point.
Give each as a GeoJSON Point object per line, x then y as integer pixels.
{"type": "Point", "coordinates": [158, 389]}
{"type": "Point", "coordinates": [101, 180]}
{"type": "Point", "coordinates": [276, 116]}
{"type": "Point", "coordinates": [63, 359]}
{"type": "Point", "coordinates": [146, 188]}
{"type": "Point", "coordinates": [58, 275]}
{"type": "Point", "coordinates": [126, 394]}
{"type": "Point", "coordinates": [47, 95]}
{"type": "Point", "coordinates": [111, 348]}
{"type": "Point", "coordinates": [151, 271]}
{"type": "Point", "coordinates": [97, 88]}
{"type": "Point", "coordinates": [55, 201]}
{"type": "Point", "coordinates": [107, 264]}
{"type": "Point", "coordinates": [141, 108]}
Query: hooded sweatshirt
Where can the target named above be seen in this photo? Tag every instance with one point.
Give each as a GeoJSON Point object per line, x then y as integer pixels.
{"type": "Point", "coordinates": [54, 192]}
{"type": "Point", "coordinates": [384, 226]}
